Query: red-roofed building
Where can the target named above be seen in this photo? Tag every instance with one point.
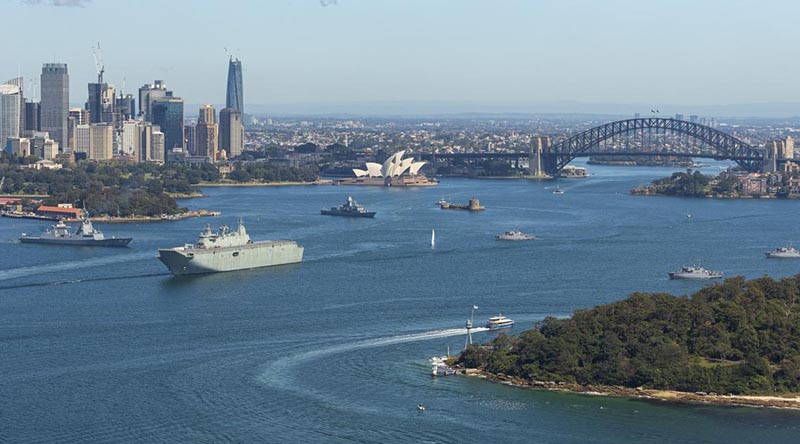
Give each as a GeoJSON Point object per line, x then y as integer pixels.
{"type": "Point", "coordinates": [60, 212]}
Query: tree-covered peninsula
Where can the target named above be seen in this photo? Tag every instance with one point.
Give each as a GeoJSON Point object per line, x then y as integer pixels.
{"type": "Point", "coordinates": [736, 337]}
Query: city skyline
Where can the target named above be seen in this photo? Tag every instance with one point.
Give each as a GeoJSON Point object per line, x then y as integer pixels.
{"type": "Point", "coordinates": [354, 56]}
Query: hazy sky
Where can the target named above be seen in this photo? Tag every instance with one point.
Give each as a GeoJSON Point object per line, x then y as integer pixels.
{"type": "Point", "coordinates": [689, 52]}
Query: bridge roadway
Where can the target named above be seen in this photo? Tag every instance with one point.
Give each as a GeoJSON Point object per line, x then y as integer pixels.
{"type": "Point", "coordinates": [524, 155]}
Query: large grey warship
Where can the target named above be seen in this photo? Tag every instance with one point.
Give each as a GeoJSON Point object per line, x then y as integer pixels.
{"type": "Point", "coordinates": [228, 251]}
{"type": "Point", "coordinates": [85, 236]}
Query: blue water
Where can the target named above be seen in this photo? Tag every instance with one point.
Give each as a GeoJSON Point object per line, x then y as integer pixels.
{"type": "Point", "coordinates": [101, 345]}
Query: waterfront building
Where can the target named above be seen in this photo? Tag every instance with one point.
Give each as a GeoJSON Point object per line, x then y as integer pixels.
{"type": "Point", "coordinates": [395, 171]}
{"type": "Point", "coordinates": [234, 97]}
{"type": "Point", "coordinates": [32, 116]}
{"type": "Point", "coordinates": [206, 133]}
{"type": "Point", "coordinates": [148, 94]}
{"type": "Point", "coordinates": [10, 109]}
{"type": "Point", "coordinates": [231, 132]}
{"type": "Point", "coordinates": [54, 105]}
{"type": "Point", "coordinates": [168, 115]}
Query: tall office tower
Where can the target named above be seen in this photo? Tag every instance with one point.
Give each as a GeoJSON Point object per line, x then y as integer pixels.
{"type": "Point", "coordinates": [131, 140]}
{"type": "Point", "coordinates": [10, 109]}
{"type": "Point", "coordinates": [191, 138]}
{"type": "Point", "coordinates": [207, 133]}
{"type": "Point", "coordinates": [54, 104]}
{"type": "Point", "coordinates": [788, 148]}
{"type": "Point", "coordinates": [101, 141]}
{"type": "Point", "coordinates": [168, 114]}
{"type": "Point", "coordinates": [157, 145]}
{"type": "Point", "coordinates": [231, 132]}
{"type": "Point", "coordinates": [20, 83]}
{"type": "Point", "coordinates": [125, 106]}
{"type": "Point", "coordinates": [32, 116]}
{"type": "Point", "coordinates": [235, 94]}
{"type": "Point", "coordinates": [146, 130]}
{"type": "Point", "coordinates": [77, 116]}
{"type": "Point", "coordinates": [149, 93]}
{"type": "Point", "coordinates": [83, 140]}
{"type": "Point", "coordinates": [101, 102]}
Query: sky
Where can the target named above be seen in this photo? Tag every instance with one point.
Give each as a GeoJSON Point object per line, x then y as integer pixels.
{"type": "Point", "coordinates": [424, 55]}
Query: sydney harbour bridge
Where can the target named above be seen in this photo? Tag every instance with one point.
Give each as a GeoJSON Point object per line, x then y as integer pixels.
{"type": "Point", "coordinates": [652, 136]}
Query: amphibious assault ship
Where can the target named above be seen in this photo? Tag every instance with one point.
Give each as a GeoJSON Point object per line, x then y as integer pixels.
{"type": "Point", "coordinates": [228, 251]}
{"type": "Point", "coordinates": [85, 236]}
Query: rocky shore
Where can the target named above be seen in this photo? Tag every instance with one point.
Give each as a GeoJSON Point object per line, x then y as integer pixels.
{"type": "Point", "coordinates": [788, 401]}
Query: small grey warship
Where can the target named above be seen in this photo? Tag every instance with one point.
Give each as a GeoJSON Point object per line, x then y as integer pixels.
{"type": "Point", "coordinates": [228, 251]}
{"type": "Point", "coordinates": [350, 209]}
{"type": "Point", "coordinates": [695, 272]}
{"type": "Point", "coordinates": [787, 252]}
{"type": "Point", "coordinates": [85, 236]}
{"type": "Point", "coordinates": [515, 235]}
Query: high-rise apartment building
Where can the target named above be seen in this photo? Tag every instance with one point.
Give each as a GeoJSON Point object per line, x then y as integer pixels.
{"type": "Point", "coordinates": [235, 94]}
{"type": "Point", "coordinates": [10, 109]}
{"type": "Point", "coordinates": [168, 114]}
{"type": "Point", "coordinates": [207, 133]}
{"type": "Point", "coordinates": [131, 140]}
{"type": "Point", "coordinates": [190, 130]}
{"type": "Point", "coordinates": [101, 141]}
{"type": "Point", "coordinates": [149, 93]}
{"type": "Point", "coordinates": [54, 105]}
{"type": "Point", "coordinates": [231, 132]}
{"type": "Point", "coordinates": [159, 150]}
{"type": "Point", "coordinates": [77, 116]}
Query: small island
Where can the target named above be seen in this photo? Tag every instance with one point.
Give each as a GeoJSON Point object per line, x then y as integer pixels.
{"type": "Point", "coordinates": [736, 342]}
{"type": "Point", "coordinates": [726, 185]}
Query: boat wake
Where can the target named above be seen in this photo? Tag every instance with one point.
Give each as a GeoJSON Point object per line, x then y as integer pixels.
{"type": "Point", "coordinates": [278, 373]}
{"type": "Point", "coordinates": [14, 273]}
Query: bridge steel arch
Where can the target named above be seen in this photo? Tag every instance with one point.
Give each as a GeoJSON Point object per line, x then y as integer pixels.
{"type": "Point", "coordinates": [727, 146]}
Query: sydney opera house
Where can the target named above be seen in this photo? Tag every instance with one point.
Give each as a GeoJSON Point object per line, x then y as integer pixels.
{"type": "Point", "coordinates": [395, 172]}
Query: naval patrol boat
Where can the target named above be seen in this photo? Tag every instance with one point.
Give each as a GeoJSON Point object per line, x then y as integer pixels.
{"type": "Point", "coordinates": [787, 252]}
{"type": "Point", "coordinates": [85, 236]}
{"type": "Point", "coordinates": [695, 272]}
{"type": "Point", "coordinates": [228, 251]}
{"type": "Point", "coordinates": [515, 235]}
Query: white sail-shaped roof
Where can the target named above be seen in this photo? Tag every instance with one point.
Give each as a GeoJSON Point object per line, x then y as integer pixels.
{"type": "Point", "coordinates": [414, 169]}
{"type": "Point", "coordinates": [359, 173]}
{"type": "Point", "coordinates": [373, 169]}
{"type": "Point", "coordinates": [403, 166]}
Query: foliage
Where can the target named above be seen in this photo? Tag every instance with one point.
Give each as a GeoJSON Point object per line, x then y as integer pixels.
{"type": "Point", "coordinates": [270, 172]}
{"type": "Point", "coordinates": [683, 184]}
{"type": "Point", "coordinates": [739, 336]}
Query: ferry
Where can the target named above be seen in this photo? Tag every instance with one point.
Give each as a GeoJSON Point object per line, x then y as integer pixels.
{"type": "Point", "coordinates": [498, 322]}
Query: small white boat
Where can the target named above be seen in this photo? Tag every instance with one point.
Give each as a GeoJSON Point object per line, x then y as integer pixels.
{"type": "Point", "coordinates": [558, 191]}
{"type": "Point", "coordinates": [433, 238]}
{"type": "Point", "coordinates": [498, 322]}
{"type": "Point", "coordinates": [441, 202]}
{"type": "Point", "coordinates": [787, 252]}
{"type": "Point", "coordinates": [421, 407]}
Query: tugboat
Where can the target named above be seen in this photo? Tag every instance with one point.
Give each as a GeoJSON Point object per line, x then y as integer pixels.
{"type": "Point", "coordinates": [498, 322]}
{"type": "Point", "coordinates": [787, 252]}
{"type": "Point", "coordinates": [695, 272]}
{"type": "Point", "coordinates": [515, 235]}
{"type": "Point", "coordinates": [85, 236]}
{"type": "Point", "coordinates": [350, 209]}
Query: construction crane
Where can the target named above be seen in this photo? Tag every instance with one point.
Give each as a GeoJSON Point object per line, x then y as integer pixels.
{"type": "Point", "coordinates": [98, 62]}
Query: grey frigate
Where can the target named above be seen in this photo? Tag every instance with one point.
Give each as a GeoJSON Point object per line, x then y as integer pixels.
{"type": "Point", "coordinates": [228, 250]}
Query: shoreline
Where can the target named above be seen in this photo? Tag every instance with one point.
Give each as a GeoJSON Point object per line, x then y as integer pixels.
{"type": "Point", "coordinates": [791, 401]}
{"type": "Point", "coordinates": [262, 184]}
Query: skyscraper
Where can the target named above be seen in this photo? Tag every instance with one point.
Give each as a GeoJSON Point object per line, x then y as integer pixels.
{"type": "Point", "coordinates": [168, 114]}
{"type": "Point", "coordinates": [148, 94]}
{"type": "Point", "coordinates": [10, 108]}
{"type": "Point", "coordinates": [54, 106]}
{"type": "Point", "coordinates": [206, 133]}
{"type": "Point", "coordinates": [32, 116]}
{"type": "Point", "coordinates": [77, 116]}
{"type": "Point", "coordinates": [101, 102]}
{"type": "Point", "coordinates": [231, 132]}
{"type": "Point", "coordinates": [235, 95]}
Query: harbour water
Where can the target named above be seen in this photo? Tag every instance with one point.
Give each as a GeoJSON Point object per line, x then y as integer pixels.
{"type": "Point", "coordinates": [103, 345]}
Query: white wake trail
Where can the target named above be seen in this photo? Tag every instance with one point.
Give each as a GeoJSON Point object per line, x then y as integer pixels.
{"type": "Point", "coordinates": [71, 265]}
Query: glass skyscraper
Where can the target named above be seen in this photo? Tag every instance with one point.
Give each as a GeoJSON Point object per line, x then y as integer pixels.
{"type": "Point", "coordinates": [235, 95]}
{"type": "Point", "coordinates": [168, 114]}
{"type": "Point", "coordinates": [54, 106]}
